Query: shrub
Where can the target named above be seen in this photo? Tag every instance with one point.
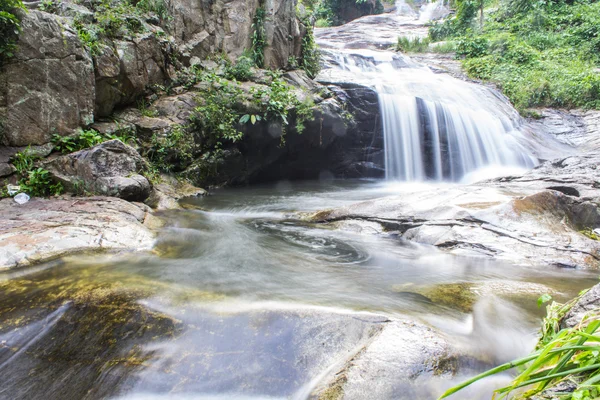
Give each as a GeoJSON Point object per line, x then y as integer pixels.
{"type": "Point", "coordinates": [311, 55]}
{"type": "Point", "coordinates": [39, 183]}
{"type": "Point", "coordinates": [471, 47]}
{"type": "Point", "coordinates": [242, 69]}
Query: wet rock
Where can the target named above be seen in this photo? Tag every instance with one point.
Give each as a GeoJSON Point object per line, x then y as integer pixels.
{"type": "Point", "coordinates": [48, 87]}
{"type": "Point", "coordinates": [42, 229]}
{"type": "Point", "coordinates": [167, 194]}
{"type": "Point", "coordinates": [110, 168]}
{"type": "Point", "coordinates": [392, 363]}
{"type": "Point", "coordinates": [516, 223]}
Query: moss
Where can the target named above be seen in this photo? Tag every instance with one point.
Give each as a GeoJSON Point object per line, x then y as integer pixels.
{"type": "Point", "coordinates": [456, 295]}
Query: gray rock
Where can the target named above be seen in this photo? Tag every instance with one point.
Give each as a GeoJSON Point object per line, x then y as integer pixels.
{"type": "Point", "coordinates": [43, 229]}
{"type": "Point", "coordinates": [6, 169]}
{"type": "Point", "coordinates": [48, 87]}
{"type": "Point", "coordinates": [588, 305]}
{"type": "Point", "coordinates": [110, 168]}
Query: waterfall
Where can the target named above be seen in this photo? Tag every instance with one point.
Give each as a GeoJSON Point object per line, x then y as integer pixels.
{"type": "Point", "coordinates": [437, 127]}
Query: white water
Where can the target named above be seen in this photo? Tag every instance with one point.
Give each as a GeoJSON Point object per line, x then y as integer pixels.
{"type": "Point", "coordinates": [437, 127]}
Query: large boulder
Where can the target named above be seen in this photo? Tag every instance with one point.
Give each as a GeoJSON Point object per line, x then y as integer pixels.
{"type": "Point", "coordinates": [48, 87]}
{"type": "Point", "coordinates": [110, 168]}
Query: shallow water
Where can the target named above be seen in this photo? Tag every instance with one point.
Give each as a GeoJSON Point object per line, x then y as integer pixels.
{"type": "Point", "coordinates": [241, 299]}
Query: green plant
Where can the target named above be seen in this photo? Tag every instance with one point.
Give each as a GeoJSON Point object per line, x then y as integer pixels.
{"type": "Point", "coordinates": [83, 139]}
{"type": "Point", "coordinates": [10, 27]}
{"type": "Point", "coordinates": [23, 160]}
{"type": "Point", "coordinates": [146, 112]}
{"type": "Point", "coordinates": [159, 7]}
{"type": "Point", "coordinates": [242, 69]}
{"type": "Point", "coordinates": [571, 354]}
{"type": "Point", "coordinates": [49, 6]}
{"type": "Point", "coordinates": [172, 150]}
{"type": "Point", "coordinates": [589, 232]}
{"type": "Point", "coordinates": [311, 55]}
{"type": "Point", "coordinates": [471, 47]}
{"type": "Point", "coordinates": [39, 183]}
{"type": "Point", "coordinates": [412, 44]}
{"type": "Point", "coordinates": [323, 23]}
{"type": "Point", "coordinates": [259, 37]}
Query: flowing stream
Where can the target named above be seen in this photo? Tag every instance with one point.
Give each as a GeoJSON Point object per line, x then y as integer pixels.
{"type": "Point", "coordinates": [240, 301]}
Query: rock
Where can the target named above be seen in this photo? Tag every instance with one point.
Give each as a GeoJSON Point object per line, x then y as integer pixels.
{"type": "Point", "coordinates": [518, 224]}
{"type": "Point", "coordinates": [43, 229]}
{"type": "Point", "coordinates": [6, 169]}
{"type": "Point", "coordinates": [204, 29]}
{"type": "Point", "coordinates": [125, 68]}
{"type": "Point", "coordinates": [394, 360]}
{"type": "Point", "coordinates": [575, 128]}
{"type": "Point", "coordinates": [167, 194]}
{"type": "Point", "coordinates": [587, 305]}
{"type": "Point", "coordinates": [48, 87]}
{"type": "Point", "coordinates": [110, 168]}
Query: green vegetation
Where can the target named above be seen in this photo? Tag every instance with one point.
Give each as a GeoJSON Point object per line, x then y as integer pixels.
{"type": "Point", "coordinates": [82, 140]}
{"type": "Point", "coordinates": [173, 150]}
{"type": "Point", "coordinates": [562, 355]}
{"type": "Point", "coordinates": [10, 26]}
{"type": "Point", "coordinates": [311, 55]}
{"type": "Point", "coordinates": [412, 45]}
{"type": "Point", "coordinates": [590, 234]}
{"type": "Point", "coordinates": [33, 181]}
{"type": "Point", "coordinates": [539, 53]}
{"type": "Point", "coordinates": [259, 38]}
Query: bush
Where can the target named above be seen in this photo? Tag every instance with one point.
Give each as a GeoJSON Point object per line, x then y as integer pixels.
{"type": "Point", "coordinates": [82, 140]}
{"type": "Point", "coordinates": [311, 55]}
{"type": "Point", "coordinates": [412, 45]}
{"type": "Point", "coordinates": [39, 183]}
{"type": "Point", "coordinates": [10, 26]}
{"type": "Point", "coordinates": [242, 69]}
{"type": "Point", "coordinates": [471, 47]}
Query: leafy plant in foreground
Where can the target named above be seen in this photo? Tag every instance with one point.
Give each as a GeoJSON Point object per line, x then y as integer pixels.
{"type": "Point", "coordinates": [570, 353]}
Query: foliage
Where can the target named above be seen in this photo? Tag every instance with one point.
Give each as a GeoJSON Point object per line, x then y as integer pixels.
{"type": "Point", "coordinates": [311, 55]}
{"type": "Point", "coordinates": [590, 234]}
{"type": "Point", "coordinates": [38, 182]}
{"type": "Point", "coordinates": [49, 6]}
{"type": "Point", "coordinates": [570, 354]}
{"type": "Point", "coordinates": [175, 148]}
{"type": "Point", "coordinates": [143, 106]}
{"type": "Point", "coordinates": [10, 26]}
{"type": "Point", "coordinates": [242, 69]}
{"type": "Point", "coordinates": [541, 53]}
{"type": "Point", "coordinates": [23, 160]}
{"type": "Point", "coordinates": [259, 37]}
{"type": "Point", "coordinates": [34, 181]}
{"type": "Point", "coordinates": [159, 7]}
{"type": "Point", "coordinates": [82, 140]}
{"type": "Point", "coordinates": [412, 45]}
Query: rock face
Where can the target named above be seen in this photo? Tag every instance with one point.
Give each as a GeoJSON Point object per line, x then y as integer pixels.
{"type": "Point", "coordinates": [203, 28]}
{"type": "Point", "coordinates": [125, 68]}
{"type": "Point", "coordinates": [48, 87]}
{"type": "Point", "coordinates": [111, 168]}
{"type": "Point", "coordinates": [43, 229]}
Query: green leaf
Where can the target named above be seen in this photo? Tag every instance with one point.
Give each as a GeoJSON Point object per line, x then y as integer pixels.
{"type": "Point", "coordinates": [543, 299]}
{"type": "Point", "coordinates": [244, 119]}
{"type": "Point", "coordinates": [253, 119]}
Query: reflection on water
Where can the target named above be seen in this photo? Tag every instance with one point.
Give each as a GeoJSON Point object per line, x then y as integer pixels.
{"type": "Point", "coordinates": [241, 300]}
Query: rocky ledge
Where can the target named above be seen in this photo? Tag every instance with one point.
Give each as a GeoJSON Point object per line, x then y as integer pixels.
{"type": "Point", "coordinates": [546, 216]}
{"type": "Point", "coordinates": [44, 229]}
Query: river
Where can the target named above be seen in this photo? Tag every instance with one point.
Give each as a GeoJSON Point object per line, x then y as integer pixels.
{"type": "Point", "coordinates": [241, 299]}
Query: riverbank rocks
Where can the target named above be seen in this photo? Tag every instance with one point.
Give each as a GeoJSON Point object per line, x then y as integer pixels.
{"type": "Point", "coordinates": [110, 168]}
{"type": "Point", "coordinates": [587, 306]}
{"type": "Point", "coordinates": [43, 229]}
{"type": "Point", "coordinates": [48, 87]}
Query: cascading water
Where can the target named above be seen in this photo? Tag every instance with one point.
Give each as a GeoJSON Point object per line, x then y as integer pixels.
{"type": "Point", "coordinates": [436, 127]}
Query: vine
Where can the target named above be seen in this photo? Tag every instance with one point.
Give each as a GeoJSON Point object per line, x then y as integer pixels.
{"type": "Point", "coordinates": [10, 27]}
{"type": "Point", "coordinates": [259, 38]}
